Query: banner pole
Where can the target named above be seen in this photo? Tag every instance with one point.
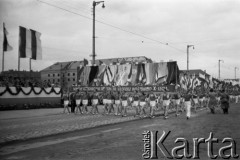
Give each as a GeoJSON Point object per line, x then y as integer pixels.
{"type": "Point", "coordinates": [19, 51]}
{"type": "Point", "coordinates": [30, 65]}
{"type": "Point", "coordinates": [3, 60]}
{"type": "Point", "coordinates": [3, 51]}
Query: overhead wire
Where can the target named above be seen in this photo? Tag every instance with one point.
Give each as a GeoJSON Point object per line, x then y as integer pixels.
{"type": "Point", "coordinates": [113, 26]}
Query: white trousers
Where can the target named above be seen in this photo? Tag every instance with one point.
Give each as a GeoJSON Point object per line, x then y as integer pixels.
{"type": "Point", "coordinates": [188, 108]}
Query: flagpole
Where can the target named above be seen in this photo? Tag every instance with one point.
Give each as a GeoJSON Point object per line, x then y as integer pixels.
{"type": "Point", "coordinates": [2, 60]}
{"type": "Point", "coordinates": [30, 64]}
{"type": "Point", "coordinates": [3, 50]}
{"type": "Point", "coordinates": [19, 51]}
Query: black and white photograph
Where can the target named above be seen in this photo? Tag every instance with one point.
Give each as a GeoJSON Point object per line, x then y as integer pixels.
{"type": "Point", "coordinates": [119, 79]}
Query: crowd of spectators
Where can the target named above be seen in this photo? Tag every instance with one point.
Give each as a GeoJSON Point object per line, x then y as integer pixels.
{"type": "Point", "coordinates": [24, 82]}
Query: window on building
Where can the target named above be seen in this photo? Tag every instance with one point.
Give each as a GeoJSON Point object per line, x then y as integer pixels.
{"type": "Point", "coordinates": [53, 80]}
{"type": "Point", "coordinates": [73, 79]}
{"type": "Point", "coordinates": [58, 80]}
{"type": "Point", "coordinates": [58, 74]}
{"type": "Point", "coordinates": [68, 74]}
{"type": "Point", "coordinates": [53, 75]}
{"type": "Point", "coordinates": [68, 79]}
{"type": "Point", "coordinates": [48, 75]}
{"type": "Point", "coordinates": [73, 74]}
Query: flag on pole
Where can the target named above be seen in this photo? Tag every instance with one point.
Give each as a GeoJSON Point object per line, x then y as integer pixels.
{"type": "Point", "coordinates": [29, 44]}
{"type": "Point", "coordinates": [6, 46]}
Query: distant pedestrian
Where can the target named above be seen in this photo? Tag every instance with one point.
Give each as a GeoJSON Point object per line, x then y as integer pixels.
{"type": "Point", "coordinates": [225, 102]}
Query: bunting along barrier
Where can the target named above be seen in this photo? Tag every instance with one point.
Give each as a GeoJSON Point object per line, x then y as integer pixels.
{"type": "Point", "coordinates": [169, 88]}
{"type": "Point", "coordinates": [29, 95]}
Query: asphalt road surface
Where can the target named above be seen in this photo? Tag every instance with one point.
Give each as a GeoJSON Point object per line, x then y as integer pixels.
{"type": "Point", "coordinates": [124, 140]}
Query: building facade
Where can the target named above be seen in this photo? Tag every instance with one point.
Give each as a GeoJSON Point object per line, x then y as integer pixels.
{"type": "Point", "coordinates": [63, 74]}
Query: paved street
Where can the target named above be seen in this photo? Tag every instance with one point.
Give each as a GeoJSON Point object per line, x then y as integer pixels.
{"type": "Point", "coordinates": [26, 124]}
{"type": "Point", "coordinates": [124, 140]}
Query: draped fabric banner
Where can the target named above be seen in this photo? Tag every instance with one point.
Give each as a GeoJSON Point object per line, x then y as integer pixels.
{"type": "Point", "coordinates": [134, 74]}
{"type": "Point", "coordinates": [123, 72]}
{"type": "Point", "coordinates": [173, 72]}
{"type": "Point", "coordinates": [101, 71]}
{"type": "Point", "coordinates": [141, 74]}
{"type": "Point", "coordinates": [162, 73]}
{"type": "Point", "coordinates": [151, 72]}
{"type": "Point", "coordinates": [79, 73]}
{"type": "Point", "coordinates": [84, 77]}
{"type": "Point", "coordinates": [110, 73]}
{"type": "Point", "coordinates": [93, 74]}
{"type": "Point", "coordinates": [129, 74]}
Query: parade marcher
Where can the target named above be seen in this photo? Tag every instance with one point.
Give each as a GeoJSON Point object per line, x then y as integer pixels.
{"type": "Point", "coordinates": [212, 104]}
{"type": "Point", "coordinates": [182, 103]}
{"type": "Point", "coordinates": [85, 98]}
{"type": "Point", "coordinates": [118, 103]}
{"type": "Point", "coordinates": [225, 102]}
{"type": "Point", "coordinates": [130, 100]}
{"type": "Point", "coordinates": [143, 105]}
{"type": "Point", "coordinates": [236, 96]}
{"type": "Point", "coordinates": [152, 102]}
{"type": "Point", "coordinates": [238, 93]}
{"type": "Point", "coordinates": [207, 99]}
{"type": "Point", "coordinates": [105, 102]}
{"type": "Point", "coordinates": [187, 101]}
{"type": "Point", "coordinates": [72, 102]}
{"type": "Point", "coordinates": [95, 102]}
{"type": "Point", "coordinates": [78, 98]}
{"type": "Point", "coordinates": [176, 101]}
{"type": "Point", "coordinates": [65, 98]}
{"type": "Point", "coordinates": [201, 99]}
{"type": "Point", "coordinates": [195, 100]}
{"type": "Point", "coordinates": [218, 97]}
{"type": "Point", "coordinates": [166, 102]}
{"type": "Point", "coordinates": [136, 103]}
{"type": "Point", "coordinates": [110, 100]}
{"type": "Point", "coordinates": [124, 98]}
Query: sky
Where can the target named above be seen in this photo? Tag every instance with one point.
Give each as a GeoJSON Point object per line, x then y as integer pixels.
{"type": "Point", "coordinates": [157, 29]}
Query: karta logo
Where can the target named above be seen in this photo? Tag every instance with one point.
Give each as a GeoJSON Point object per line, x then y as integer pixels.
{"type": "Point", "coordinates": [153, 145]}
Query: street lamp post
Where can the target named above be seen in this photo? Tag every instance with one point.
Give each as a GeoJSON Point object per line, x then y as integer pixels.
{"type": "Point", "coordinates": [219, 68]}
{"type": "Point", "coordinates": [188, 46]}
{"type": "Point", "coordinates": [93, 38]}
{"type": "Point", "coordinates": [236, 72]}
